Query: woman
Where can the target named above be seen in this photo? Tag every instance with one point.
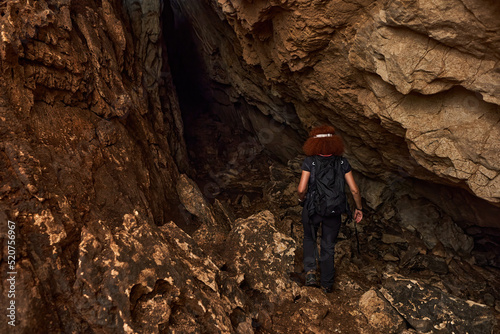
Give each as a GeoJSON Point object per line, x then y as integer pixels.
{"type": "Point", "coordinates": [323, 142]}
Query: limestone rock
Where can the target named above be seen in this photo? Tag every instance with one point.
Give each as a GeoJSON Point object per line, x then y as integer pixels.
{"type": "Point", "coordinates": [313, 295]}
{"type": "Point", "coordinates": [134, 279]}
{"type": "Point", "coordinates": [282, 189]}
{"type": "Point", "coordinates": [390, 257]}
{"type": "Point", "coordinates": [423, 262]}
{"type": "Point", "coordinates": [373, 191]}
{"type": "Point", "coordinates": [245, 327]}
{"type": "Point", "coordinates": [194, 201]}
{"type": "Point", "coordinates": [380, 314]}
{"type": "Point", "coordinates": [425, 65]}
{"type": "Point", "coordinates": [429, 309]}
{"type": "Point", "coordinates": [392, 239]}
{"type": "Point", "coordinates": [255, 249]}
{"type": "Point", "coordinates": [413, 50]}
{"type": "Point", "coordinates": [216, 221]}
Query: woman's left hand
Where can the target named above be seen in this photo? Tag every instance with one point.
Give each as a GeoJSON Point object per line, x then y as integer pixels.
{"type": "Point", "coordinates": [358, 215]}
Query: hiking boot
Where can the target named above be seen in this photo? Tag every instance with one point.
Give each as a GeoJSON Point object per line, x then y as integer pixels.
{"type": "Point", "coordinates": [327, 289]}
{"type": "Point", "coordinates": [311, 279]}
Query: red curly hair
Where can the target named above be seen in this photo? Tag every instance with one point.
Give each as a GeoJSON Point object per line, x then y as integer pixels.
{"type": "Point", "coordinates": [325, 145]}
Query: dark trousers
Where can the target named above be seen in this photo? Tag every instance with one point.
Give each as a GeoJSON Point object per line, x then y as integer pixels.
{"type": "Point", "coordinates": [330, 227]}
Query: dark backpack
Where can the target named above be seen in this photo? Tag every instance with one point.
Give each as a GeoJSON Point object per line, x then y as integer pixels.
{"type": "Point", "coordinates": [328, 199]}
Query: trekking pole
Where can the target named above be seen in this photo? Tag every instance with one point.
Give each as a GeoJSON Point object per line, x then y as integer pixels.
{"type": "Point", "coordinates": [357, 238]}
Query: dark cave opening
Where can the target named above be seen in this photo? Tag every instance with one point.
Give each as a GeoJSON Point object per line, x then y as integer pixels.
{"type": "Point", "coordinates": [221, 149]}
{"type": "Point", "coordinates": [185, 64]}
{"type": "Point", "coordinates": [208, 128]}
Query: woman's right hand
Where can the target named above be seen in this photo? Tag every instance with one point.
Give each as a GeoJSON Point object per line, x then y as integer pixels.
{"type": "Point", "coordinates": [358, 215]}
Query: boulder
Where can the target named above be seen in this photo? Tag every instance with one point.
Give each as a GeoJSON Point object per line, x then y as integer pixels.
{"type": "Point", "coordinates": [193, 200]}
{"type": "Point", "coordinates": [141, 278]}
{"type": "Point", "coordinates": [425, 218]}
{"type": "Point", "coordinates": [264, 257]}
{"type": "Point", "coordinates": [428, 262]}
{"type": "Point", "coordinates": [380, 314]}
{"type": "Point", "coordinates": [215, 220]}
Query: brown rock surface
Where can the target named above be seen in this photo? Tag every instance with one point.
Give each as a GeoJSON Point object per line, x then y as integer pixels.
{"type": "Point", "coordinates": [380, 313]}
{"type": "Point", "coordinates": [262, 256]}
{"type": "Point", "coordinates": [86, 151]}
{"type": "Point", "coordinates": [139, 278]}
{"type": "Point", "coordinates": [428, 309]}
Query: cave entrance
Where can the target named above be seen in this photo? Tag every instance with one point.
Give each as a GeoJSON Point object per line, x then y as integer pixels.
{"type": "Point", "coordinates": [222, 148]}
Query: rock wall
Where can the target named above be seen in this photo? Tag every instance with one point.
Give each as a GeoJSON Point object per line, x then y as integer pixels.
{"type": "Point", "coordinates": [90, 147]}
{"type": "Point", "coordinates": [412, 87]}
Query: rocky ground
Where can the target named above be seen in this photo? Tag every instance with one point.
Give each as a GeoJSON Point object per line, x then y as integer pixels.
{"type": "Point", "coordinates": [388, 279]}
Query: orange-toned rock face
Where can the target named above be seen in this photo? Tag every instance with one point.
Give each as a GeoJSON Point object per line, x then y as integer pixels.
{"type": "Point", "coordinates": [84, 140]}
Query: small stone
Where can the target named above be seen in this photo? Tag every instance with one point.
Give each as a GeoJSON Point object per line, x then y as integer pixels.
{"type": "Point", "coordinates": [392, 239]}
{"type": "Point", "coordinates": [439, 250]}
{"type": "Point", "coordinates": [389, 213]}
{"type": "Point", "coordinates": [390, 257]}
{"type": "Point", "coordinates": [245, 327]}
{"type": "Point", "coordinates": [315, 312]}
{"type": "Point", "coordinates": [313, 295]}
{"type": "Point", "coordinates": [489, 299]}
{"type": "Point", "coordinates": [245, 202]}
